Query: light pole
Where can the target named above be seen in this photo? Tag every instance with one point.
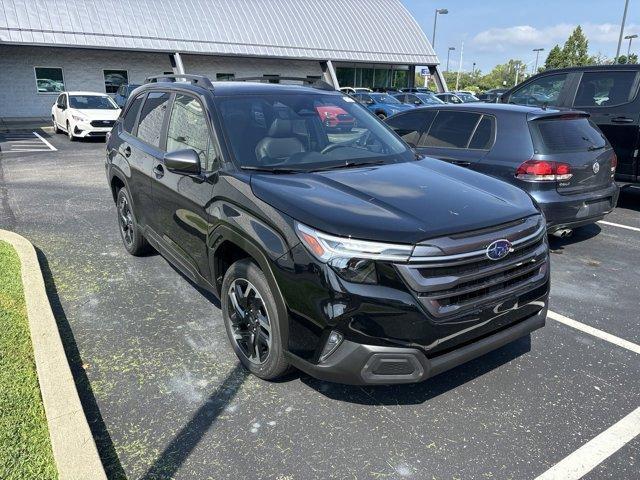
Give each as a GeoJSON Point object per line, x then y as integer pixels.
{"type": "Point", "coordinates": [441, 11]}
{"type": "Point", "coordinates": [537, 50]}
{"type": "Point", "coordinates": [473, 69]}
{"type": "Point", "coordinates": [449, 53]}
{"type": "Point", "coordinates": [624, 19]}
{"type": "Point", "coordinates": [630, 37]}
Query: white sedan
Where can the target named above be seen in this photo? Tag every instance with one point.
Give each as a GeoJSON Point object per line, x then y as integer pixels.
{"type": "Point", "coordinates": [84, 114]}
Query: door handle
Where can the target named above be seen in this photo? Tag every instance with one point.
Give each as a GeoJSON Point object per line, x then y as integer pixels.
{"type": "Point", "coordinates": [622, 120]}
{"type": "Point", "coordinates": [159, 171]}
{"type": "Point", "coordinates": [127, 151]}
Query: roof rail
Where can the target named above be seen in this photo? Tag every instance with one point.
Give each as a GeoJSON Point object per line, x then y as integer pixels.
{"type": "Point", "coordinates": [198, 80]}
{"type": "Point", "coordinates": [311, 82]}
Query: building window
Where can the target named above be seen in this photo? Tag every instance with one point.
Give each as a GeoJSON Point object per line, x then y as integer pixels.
{"type": "Point", "coordinates": [273, 78]}
{"type": "Point", "coordinates": [49, 80]}
{"type": "Point", "coordinates": [113, 79]}
{"type": "Point", "coordinates": [225, 77]}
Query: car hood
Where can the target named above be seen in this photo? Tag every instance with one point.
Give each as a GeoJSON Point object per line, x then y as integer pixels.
{"type": "Point", "coordinates": [402, 203]}
{"type": "Point", "coordinates": [97, 114]}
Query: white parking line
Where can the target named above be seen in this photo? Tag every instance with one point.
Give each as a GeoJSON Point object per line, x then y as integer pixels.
{"type": "Point", "coordinates": [635, 229]}
{"type": "Point", "coordinates": [594, 331]}
{"type": "Point", "coordinates": [51, 147]}
{"type": "Point", "coordinates": [595, 451]}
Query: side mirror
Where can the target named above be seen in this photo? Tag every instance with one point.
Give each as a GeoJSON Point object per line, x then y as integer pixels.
{"type": "Point", "coordinates": [185, 161]}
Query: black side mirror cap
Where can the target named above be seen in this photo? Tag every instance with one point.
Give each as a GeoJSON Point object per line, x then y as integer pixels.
{"type": "Point", "coordinates": [185, 161]}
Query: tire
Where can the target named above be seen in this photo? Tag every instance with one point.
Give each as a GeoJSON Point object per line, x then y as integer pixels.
{"type": "Point", "coordinates": [56, 129]}
{"type": "Point", "coordinates": [255, 299]}
{"type": "Point", "coordinates": [381, 115]}
{"type": "Point", "coordinates": [132, 238]}
{"type": "Point", "coordinates": [70, 133]}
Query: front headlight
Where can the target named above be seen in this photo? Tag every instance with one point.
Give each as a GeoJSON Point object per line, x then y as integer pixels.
{"type": "Point", "coordinates": [79, 118]}
{"type": "Point", "coordinates": [326, 247]}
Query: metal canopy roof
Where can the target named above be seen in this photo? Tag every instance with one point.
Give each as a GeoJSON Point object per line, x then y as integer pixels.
{"type": "Point", "coordinates": [379, 31]}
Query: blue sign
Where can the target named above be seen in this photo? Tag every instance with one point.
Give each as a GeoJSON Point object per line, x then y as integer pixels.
{"type": "Point", "coordinates": [424, 72]}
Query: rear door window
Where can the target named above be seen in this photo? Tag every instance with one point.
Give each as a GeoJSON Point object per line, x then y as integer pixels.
{"type": "Point", "coordinates": [410, 126]}
{"type": "Point", "coordinates": [606, 88]}
{"type": "Point", "coordinates": [451, 130]}
{"type": "Point", "coordinates": [152, 117]}
{"type": "Point", "coordinates": [541, 91]}
{"type": "Point", "coordinates": [561, 135]}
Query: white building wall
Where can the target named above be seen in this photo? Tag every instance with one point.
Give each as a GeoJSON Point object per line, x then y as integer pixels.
{"type": "Point", "coordinates": [83, 70]}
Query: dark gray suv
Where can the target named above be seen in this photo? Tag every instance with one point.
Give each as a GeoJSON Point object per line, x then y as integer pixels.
{"type": "Point", "coordinates": [559, 157]}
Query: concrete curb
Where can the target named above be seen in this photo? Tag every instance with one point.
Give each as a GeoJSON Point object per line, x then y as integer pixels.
{"type": "Point", "coordinates": [74, 448]}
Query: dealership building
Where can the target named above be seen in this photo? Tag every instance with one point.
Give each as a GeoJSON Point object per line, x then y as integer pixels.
{"type": "Point", "coordinates": [50, 46]}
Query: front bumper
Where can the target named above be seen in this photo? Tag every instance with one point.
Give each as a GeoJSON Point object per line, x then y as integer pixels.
{"type": "Point", "coordinates": [85, 129]}
{"type": "Point", "coordinates": [359, 364]}
{"type": "Point", "coordinates": [572, 211]}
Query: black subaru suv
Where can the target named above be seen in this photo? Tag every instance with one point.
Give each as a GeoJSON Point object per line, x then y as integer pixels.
{"type": "Point", "coordinates": [341, 253]}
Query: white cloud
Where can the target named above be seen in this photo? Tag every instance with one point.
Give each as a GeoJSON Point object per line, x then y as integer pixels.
{"type": "Point", "coordinates": [521, 36]}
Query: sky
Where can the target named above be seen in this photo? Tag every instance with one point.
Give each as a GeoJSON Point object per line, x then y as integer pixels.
{"type": "Point", "coordinates": [493, 31]}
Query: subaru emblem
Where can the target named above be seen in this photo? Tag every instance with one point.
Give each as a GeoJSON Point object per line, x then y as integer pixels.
{"type": "Point", "coordinates": [499, 249]}
{"type": "Point", "coordinates": [596, 167]}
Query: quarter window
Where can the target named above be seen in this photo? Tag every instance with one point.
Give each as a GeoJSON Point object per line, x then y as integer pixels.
{"type": "Point", "coordinates": [451, 130]}
{"type": "Point", "coordinates": [483, 136]}
{"type": "Point", "coordinates": [152, 118]}
{"type": "Point", "coordinates": [49, 80]}
{"type": "Point", "coordinates": [605, 89]}
{"type": "Point", "coordinates": [113, 79]}
{"type": "Point", "coordinates": [188, 129]}
{"type": "Point", "coordinates": [542, 91]}
{"type": "Point", "coordinates": [130, 117]}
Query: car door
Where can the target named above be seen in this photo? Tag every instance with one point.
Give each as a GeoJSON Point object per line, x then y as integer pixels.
{"type": "Point", "coordinates": [553, 89]}
{"type": "Point", "coordinates": [459, 137]}
{"type": "Point", "coordinates": [181, 200]}
{"type": "Point", "coordinates": [142, 149]}
{"type": "Point", "coordinates": [61, 110]}
{"type": "Point", "coordinates": [611, 97]}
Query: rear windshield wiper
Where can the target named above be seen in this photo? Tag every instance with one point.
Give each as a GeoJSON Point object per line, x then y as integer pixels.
{"type": "Point", "coordinates": [272, 169]}
{"type": "Point", "coordinates": [347, 165]}
{"type": "Point", "coordinates": [591, 148]}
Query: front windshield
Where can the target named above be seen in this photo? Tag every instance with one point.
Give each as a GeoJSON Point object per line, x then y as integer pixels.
{"type": "Point", "coordinates": [92, 102]}
{"type": "Point", "coordinates": [429, 99]}
{"type": "Point", "coordinates": [304, 132]}
{"type": "Point", "coordinates": [467, 97]}
{"type": "Point", "coordinates": [388, 99]}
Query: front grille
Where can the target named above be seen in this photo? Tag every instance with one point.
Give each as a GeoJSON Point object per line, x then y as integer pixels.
{"type": "Point", "coordinates": [464, 283]}
{"type": "Point", "coordinates": [103, 123]}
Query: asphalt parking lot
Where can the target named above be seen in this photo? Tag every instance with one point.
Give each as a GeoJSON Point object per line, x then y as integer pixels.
{"type": "Point", "coordinates": [167, 399]}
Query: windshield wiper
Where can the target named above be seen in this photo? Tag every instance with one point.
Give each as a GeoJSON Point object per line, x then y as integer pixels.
{"type": "Point", "coordinates": [272, 169]}
{"type": "Point", "coordinates": [591, 148]}
{"type": "Point", "coordinates": [347, 165]}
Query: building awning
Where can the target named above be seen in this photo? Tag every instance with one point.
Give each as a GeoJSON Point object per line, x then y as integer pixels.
{"type": "Point", "coordinates": [372, 31]}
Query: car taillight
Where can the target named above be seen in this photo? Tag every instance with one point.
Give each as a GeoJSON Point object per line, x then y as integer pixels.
{"type": "Point", "coordinates": [543, 171]}
{"type": "Point", "coordinates": [614, 162]}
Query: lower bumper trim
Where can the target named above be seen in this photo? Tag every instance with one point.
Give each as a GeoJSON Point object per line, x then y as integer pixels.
{"type": "Point", "coordinates": [359, 364]}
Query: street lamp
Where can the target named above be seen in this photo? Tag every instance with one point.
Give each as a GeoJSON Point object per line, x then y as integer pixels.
{"type": "Point", "coordinates": [624, 19]}
{"type": "Point", "coordinates": [630, 37]}
{"type": "Point", "coordinates": [449, 53]}
{"type": "Point", "coordinates": [473, 69]}
{"type": "Point", "coordinates": [537, 50]}
{"type": "Point", "coordinates": [441, 11]}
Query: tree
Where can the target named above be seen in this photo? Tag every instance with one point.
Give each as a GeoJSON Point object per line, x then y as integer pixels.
{"type": "Point", "coordinates": [575, 51]}
{"type": "Point", "coordinates": [633, 58]}
{"type": "Point", "coordinates": [554, 59]}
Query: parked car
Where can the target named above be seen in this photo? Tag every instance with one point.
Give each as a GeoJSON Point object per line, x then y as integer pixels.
{"type": "Point", "coordinates": [123, 93]}
{"type": "Point", "coordinates": [84, 114]}
{"type": "Point", "coordinates": [418, 99]}
{"type": "Point", "coordinates": [560, 158]}
{"type": "Point", "coordinates": [335, 118]}
{"type": "Point", "coordinates": [331, 253]}
{"type": "Point", "coordinates": [492, 95]}
{"type": "Point", "coordinates": [449, 97]}
{"type": "Point", "coordinates": [354, 90]}
{"type": "Point", "coordinates": [416, 90]}
{"type": "Point", "coordinates": [608, 92]}
{"type": "Point", "coordinates": [382, 104]}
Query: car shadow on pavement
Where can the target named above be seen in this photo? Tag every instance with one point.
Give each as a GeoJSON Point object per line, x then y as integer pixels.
{"type": "Point", "coordinates": [179, 449]}
{"type": "Point", "coordinates": [418, 393]}
{"type": "Point", "coordinates": [629, 199]}
{"type": "Point", "coordinates": [105, 446]}
{"type": "Point", "coordinates": [556, 245]}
